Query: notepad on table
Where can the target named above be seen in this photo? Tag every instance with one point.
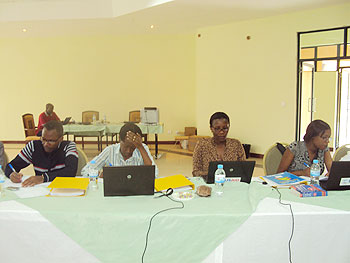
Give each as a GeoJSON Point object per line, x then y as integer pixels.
{"type": "Point", "coordinates": [69, 186]}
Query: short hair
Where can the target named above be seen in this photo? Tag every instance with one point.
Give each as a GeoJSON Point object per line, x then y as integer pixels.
{"type": "Point", "coordinates": [54, 125]}
{"type": "Point", "coordinates": [49, 104]}
{"type": "Point", "coordinates": [218, 115]}
{"type": "Point", "coordinates": [315, 128]}
{"type": "Point", "coordinates": [129, 126]}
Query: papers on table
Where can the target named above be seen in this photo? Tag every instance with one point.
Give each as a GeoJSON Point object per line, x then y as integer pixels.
{"type": "Point", "coordinates": [27, 192]}
{"type": "Point", "coordinates": [69, 186]}
{"type": "Point", "coordinates": [67, 192]}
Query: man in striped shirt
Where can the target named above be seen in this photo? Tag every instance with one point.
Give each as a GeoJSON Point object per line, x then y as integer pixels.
{"type": "Point", "coordinates": [130, 151]}
{"type": "Point", "coordinates": [50, 156]}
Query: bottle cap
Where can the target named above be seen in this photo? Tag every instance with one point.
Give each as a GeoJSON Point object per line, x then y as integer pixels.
{"type": "Point", "coordinates": [315, 161]}
{"type": "Point", "coordinates": [220, 166]}
{"type": "Point", "coordinates": [92, 161]}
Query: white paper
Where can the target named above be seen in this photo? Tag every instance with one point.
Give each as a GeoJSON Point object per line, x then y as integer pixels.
{"type": "Point", "coordinates": [27, 192]}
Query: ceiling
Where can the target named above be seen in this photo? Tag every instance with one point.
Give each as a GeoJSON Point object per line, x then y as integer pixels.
{"type": "Point", "coordinates": [86, 17]}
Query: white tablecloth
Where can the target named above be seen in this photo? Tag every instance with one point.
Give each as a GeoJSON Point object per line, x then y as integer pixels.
{"type": "Point", "coordinates": [320, 235]}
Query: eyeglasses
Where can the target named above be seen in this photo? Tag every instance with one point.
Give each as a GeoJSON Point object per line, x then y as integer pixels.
{"type": "Point", "coordinates": [219, 129]}
{"type": "Point", "coordinates": [43, 140]}
{"type": "Point", "coordinates": [326, 138]}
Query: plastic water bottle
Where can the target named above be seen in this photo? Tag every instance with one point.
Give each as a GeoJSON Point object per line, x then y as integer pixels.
{"type": "Point", "coordinates": [93, 118]}
{"type": "Point", "coordinates": [93, 175]}
{"type": "Point", "coordinates": [2, 181]}
{"type": "Point", "coordinates": [315, 171]}
{"type": "Point", "coordinates": [220, 177]}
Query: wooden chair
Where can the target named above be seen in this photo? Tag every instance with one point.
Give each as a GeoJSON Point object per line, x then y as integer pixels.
{"type": "Point", "coordinates": [272, 159]}
{"type": "Point", "coordinates": [82, 161]}
{"type": "Point", "coordinates": [28, 124]}
{"type": "Point", "coordinates": [87, 118]}
{"type": "Point", "coordinates": [135, 116]}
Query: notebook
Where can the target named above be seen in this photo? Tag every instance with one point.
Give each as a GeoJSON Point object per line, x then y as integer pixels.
{"type": "Point", "coordinates": [339, 177]}
{"type": "Point", "coordinates": [242, 170]}
{"type": "Point", "coordinates": [66, 120]}
{"type": "Point", "coordinates": [128, 180]}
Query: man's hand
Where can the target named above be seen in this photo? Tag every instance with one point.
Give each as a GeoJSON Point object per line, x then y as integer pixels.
{"type": "Point", "coordinates": [33, 180]}
{"type": "Point", "coordinates": [135, 139]}
{"type": "Point", "coordinates": [16, 177]}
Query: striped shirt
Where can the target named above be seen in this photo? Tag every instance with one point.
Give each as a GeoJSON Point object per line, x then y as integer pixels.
{"type": "Point", "coordinates": [61, 162]}
{"type": "Point", "coordinates": [111, 156]}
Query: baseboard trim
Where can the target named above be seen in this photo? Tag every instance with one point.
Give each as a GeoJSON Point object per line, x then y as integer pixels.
{"type": "Point", "coordinates": [92, 142]}
{"type": "Point", "coordinates": [255, 155]}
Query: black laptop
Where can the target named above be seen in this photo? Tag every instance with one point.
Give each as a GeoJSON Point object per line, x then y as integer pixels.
{"type": "Point", "coordinates": [241, 170]}
{"type": "Point", "coordinates": [339, 177]}
{"type": "Point", "coordinates": [66, 120]}
{"type": "Point", "coordinates": [128, 180]}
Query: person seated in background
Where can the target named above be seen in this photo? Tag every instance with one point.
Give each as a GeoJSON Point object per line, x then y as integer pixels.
{"type": "Point", "coordinates": [46, 116]}
{"type": "Point", "coordinates": [299, 155]}
{"type": "Point", "coordinates": [217, 148]}
{"type": "Point", "coordinates": [130, 151]}
{"type": "Point", "coordinates": [50, 156]}
{"type": "Point", "coordinates": [2, 156]}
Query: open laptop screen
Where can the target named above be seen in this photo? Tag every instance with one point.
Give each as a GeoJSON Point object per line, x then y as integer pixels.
{"type": "Point", "coordinates": [339, 177]}
{"type": "Point", "coordinates": [240, 169]}
{"type": "Point", "coordinates": [128, 180]}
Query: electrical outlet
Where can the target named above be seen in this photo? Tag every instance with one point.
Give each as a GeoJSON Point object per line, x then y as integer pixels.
{"type": "Point", "coordinates": [169, 131]}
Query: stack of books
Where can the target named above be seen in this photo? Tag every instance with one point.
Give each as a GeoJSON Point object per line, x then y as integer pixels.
{"type": "Point", "coordinates": [308, 190]}
{"type": "Point", "coordinates": [283, 180]}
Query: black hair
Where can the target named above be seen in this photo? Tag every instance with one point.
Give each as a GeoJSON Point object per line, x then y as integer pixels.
{"type": "Point", "coordinates": [129, 127]}
{"type": "Point", "coordinates": [315, 128]}
{"type": "Point", "coordinates": [54, 125]}
{"type": "Point", "coordinates": [218, 115]}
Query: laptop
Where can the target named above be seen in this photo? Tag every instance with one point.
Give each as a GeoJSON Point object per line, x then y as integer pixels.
{"type": "Point", "coordinates": [128, 180]}
{"type": "Point", "coordinates": [66, 120]}
{"type": "Point", "coordinates": [339, 177]}
{"type": "Point", "coordinates": [240, 170]}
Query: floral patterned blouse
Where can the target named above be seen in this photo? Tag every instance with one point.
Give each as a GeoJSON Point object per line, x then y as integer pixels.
{"type": "Point", "coordinates": [205, 152]}
{"type": "Point", "coordinates": [301, 156]}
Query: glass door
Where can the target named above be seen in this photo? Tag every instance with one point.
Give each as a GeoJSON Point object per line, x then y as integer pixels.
{"type": "Point", "coordinates": [344, 107]}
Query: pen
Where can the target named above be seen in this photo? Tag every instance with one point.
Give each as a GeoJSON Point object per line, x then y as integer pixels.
{"type": "Point", "coordinates": [308, 166]}
{"type": "Point", "coordinates": [13, 169]}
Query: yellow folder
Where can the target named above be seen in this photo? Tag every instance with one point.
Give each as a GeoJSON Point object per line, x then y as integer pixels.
{"type": "Point", "coordinates": [174, 181]}
{"type": "Point", "coordinates": [69, 186]}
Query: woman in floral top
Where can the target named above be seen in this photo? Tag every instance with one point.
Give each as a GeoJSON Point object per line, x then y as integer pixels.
{"type": "Point", "coordinates": [299, 155]}
{"type": "Point", "coordinates": [217, 148]}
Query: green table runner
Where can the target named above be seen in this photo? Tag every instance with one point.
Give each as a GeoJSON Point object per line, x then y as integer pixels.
{"type": "Point", "coordinates": [114, 228]}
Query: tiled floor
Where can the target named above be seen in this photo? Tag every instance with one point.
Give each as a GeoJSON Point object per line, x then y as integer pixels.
{"type": "Point", "coordinates": [173, 160]}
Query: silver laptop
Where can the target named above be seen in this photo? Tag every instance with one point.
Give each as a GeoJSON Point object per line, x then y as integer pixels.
{"type": "Point", "coordinates": [128, 180]}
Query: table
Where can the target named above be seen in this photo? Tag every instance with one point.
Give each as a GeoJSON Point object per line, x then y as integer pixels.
{"type": "Point", "coordinates": [247, 224]}
{"type": "Point", "coordinates": [320, 235]}
{"type": "Point", "coordinates": [113, 229]}
{"type": "Point", "coordinates": [99, 130]}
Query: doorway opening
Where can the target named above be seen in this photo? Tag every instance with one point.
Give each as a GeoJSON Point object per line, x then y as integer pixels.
{"type": "Point", "coordinates": [323, 90]}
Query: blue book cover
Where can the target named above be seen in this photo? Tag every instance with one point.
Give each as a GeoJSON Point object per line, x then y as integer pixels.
{"type": "Point", "coordinates": [282, 179]}
{"type": "Point", "coordinates": [308, 190]}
